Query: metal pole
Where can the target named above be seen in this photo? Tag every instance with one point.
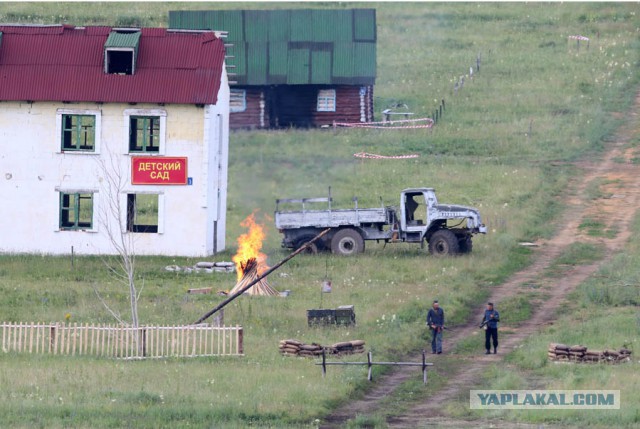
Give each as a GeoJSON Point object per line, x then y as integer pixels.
{"type": "Point", "coordinates": [260, 277]}
{"type": "Point", "coordinates": [324, 363]}
{"type": "Point", "coordinates": [424, 366]}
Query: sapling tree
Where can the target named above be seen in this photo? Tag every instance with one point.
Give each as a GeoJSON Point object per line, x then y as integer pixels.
{"type": "Point", "coordinates": [112, 219]}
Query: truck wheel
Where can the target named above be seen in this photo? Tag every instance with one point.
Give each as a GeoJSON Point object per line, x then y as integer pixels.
{"type": "Point", "coordinates": [465, 244]}
{"type": "Point", "coordinates": [443, 242]}
{"type": "Point", "coordinates": [312, 249]}
{"type": "Point", "coordinates": [347, 242]}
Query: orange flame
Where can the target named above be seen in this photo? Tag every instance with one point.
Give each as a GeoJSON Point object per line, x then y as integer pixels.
{"type": "Point", "coordinates": [249, 246]}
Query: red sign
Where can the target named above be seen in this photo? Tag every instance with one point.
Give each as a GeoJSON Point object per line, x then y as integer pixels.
{"type": "Point", "coordinates": [153, 170]}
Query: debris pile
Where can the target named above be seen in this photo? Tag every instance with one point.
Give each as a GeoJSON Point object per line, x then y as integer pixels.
{"type": "Point", "coordinates": [298, 348]}
{"type": "Point", "coordinates": [204, 267]}
{"type": "Point", "coordinates": [578, 353]}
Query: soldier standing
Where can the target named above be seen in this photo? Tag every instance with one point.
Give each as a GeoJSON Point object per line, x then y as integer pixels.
{"type": "Point", "coordinates": [490, 323]}
{"type": "Point", "coordinates": [435, 322]}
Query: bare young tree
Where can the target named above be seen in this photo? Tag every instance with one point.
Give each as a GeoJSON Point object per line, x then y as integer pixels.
{"type": "Point", "coordinates": [111, 214]}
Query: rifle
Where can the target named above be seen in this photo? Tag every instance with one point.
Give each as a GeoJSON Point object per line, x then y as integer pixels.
{"type": "Point", "coordinates": [441, 327]}
{"type": "Point", "coordinates": [484, 322]}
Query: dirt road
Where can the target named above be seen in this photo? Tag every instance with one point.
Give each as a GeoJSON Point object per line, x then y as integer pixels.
{"type": "Point", "coordinates": [619, 180]}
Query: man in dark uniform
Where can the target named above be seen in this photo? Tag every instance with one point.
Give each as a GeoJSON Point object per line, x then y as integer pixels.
{"type": "Point", "coordinates": [435, 322]}
{"type": "Point", "coordinates": [490, 323]}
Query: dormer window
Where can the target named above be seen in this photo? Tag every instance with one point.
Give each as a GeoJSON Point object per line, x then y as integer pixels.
{"type": "Point", "coordinates": [121, 51]}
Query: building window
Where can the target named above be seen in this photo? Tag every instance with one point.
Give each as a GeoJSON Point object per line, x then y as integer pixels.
{"type": "Point", "coordinates": [327, 100]}
{"type": "Point", "coordinates": [144, 134]}
{"type": "Point", "coordinates": [79, 132]}
{"type": "Point", "coordinates": [142, 213]}
{"type": "Point", "coordinates": [76, 210]}
{"type": "Point", "coordinates": [238, 100]}
{"type": "Point", "coordinates": [119, 62]}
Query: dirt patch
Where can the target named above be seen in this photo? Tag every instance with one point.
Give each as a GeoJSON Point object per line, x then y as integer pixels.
{"type": "Point", "coordinates": [614, 211]}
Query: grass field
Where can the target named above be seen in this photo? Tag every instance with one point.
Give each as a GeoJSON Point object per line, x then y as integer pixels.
{"type": "Point", "coordinates": [502, 146]}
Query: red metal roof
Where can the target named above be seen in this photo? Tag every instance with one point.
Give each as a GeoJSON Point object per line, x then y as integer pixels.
{"type": "Point", "coordinates": [66, 63]}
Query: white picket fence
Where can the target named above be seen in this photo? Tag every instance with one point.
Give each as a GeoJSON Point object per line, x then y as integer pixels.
{"type": "Point", "coordinates": [122, 342]}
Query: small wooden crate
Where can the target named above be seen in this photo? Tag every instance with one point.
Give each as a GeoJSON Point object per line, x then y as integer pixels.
{"type": "Point", "coordinates": [345, 315]}
{"type": "Point", "coordinates": [321, 317]}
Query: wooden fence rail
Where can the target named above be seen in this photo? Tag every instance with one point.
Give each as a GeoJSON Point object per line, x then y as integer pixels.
{"type": "Point", "coordinates": [122, 342]}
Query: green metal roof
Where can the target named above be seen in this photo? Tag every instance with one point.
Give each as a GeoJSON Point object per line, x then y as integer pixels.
{"type": "Point", "coordinates": [295, 46]}
{"type": "Point", "coordinates": [123, 40]}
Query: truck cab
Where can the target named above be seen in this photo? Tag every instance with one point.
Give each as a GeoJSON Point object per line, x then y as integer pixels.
{"type": "Point", "coordinates": [415, 210]}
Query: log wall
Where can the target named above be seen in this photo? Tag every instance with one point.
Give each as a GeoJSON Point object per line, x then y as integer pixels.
{"type": "Point", "coordinates": [296, 106]}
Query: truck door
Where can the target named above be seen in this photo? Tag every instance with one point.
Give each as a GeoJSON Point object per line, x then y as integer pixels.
{"type": "Point", "coordinates": [415, 214]}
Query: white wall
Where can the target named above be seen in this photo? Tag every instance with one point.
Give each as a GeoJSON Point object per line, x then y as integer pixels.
{"type": "Point", "coordinates": [33, 170]}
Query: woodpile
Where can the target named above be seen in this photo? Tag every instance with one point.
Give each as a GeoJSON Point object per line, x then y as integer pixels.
{"type": "Point", "coordinates": [250, 273]}
{"type": "Point", "coordinates": [578, 353]}
{"type": "Point", "coordinates": [298, 348]}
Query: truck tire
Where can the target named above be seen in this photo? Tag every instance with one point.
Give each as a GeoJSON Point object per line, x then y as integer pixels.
{"type": "Point", "coordinates": [443, 242]}
{"type": "Point", "coordinates": [465, 244]}
{"type": "Point", "coordinates": [347, 242]}
{"type": "Point", "coordinates": [312, 249]}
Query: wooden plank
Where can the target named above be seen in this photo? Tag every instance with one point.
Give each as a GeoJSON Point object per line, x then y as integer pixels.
{"type": "Point", "coordinates": [31, 327]}
{"type": "Point", "coordinates": [203, 290]}
{"type": "Point", "coordinates": [75, 337]}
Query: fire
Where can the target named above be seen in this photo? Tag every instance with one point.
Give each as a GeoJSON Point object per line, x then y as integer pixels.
{"type": "Point", "coordinates": [250, 246]}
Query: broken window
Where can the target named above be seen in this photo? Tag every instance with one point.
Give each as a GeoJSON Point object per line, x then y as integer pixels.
{"type": "Point", "coordinates": [327, 100]}
{"type": "Point", "coordinates": [121, 50]}
{"type": "Point", "coordinates": [142, 213]}
{"type": "Point", "coordinates": [238, 100]}
{"type": "Point", "coordinates": [79, 132]}
{"type": "Point", "coordinates": [119, 62]}
{"type": "Point", "coordinates": [76, 210]}
{"type": "Point", "coordinates": [144, 134]}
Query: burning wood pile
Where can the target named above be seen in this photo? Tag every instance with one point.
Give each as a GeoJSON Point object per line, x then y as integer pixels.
{"type": "Point", "coordinates": [578, 353]}
{"type": "Point", "coordinates": [249, 274]}
{"type": "Point", "coordinates": [298, 348]}
{"type": "Point", "coordinates": [250, 261]}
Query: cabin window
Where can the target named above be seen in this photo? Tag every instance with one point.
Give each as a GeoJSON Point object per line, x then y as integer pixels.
{"type": "Point", "coordinates": [327, 100]}
{"type": "Point", "coordinates": [143, 213]}
{"type": "Point", "coordinates": [238, 100]}
{"type": "Point", "coordinates": [79, 132]}
{"type": "Point", "coordinates": [76, 210]}
{"type": "Point", "coordinates": [144, 134]}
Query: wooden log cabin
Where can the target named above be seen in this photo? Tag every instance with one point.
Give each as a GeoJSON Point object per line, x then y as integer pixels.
{"type": "Point", "coordinates": [295, 68]}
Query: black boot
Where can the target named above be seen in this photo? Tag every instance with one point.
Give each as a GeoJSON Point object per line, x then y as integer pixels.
{"type": "Point", "coordinates": [487, 352]}
{"type": "Point", "coordinates": [495, 350]}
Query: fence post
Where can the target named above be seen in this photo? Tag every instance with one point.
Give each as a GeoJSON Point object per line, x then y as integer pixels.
{"type": "Point", "coordinates": [324, 363]}
{"type": "Point", "coordinates": [240, 340]}
{"type": "Point", "coordinates": [144, 342]}
{"type": "Point", "coordinates": [53, 342]}
{"type": "Point", "coordinates": [369, 375]}
{"type": "Point", "coordinates": [424, 366]}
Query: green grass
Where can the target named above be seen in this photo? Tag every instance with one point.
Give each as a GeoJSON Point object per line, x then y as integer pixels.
{"type": "Point", "coordinates": [502, 145]}
{"type": "Point", "coordinates": [602, 314]}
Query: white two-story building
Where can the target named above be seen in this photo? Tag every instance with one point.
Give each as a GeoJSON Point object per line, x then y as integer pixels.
{"type": "Point", "coordinates": [111, 134]}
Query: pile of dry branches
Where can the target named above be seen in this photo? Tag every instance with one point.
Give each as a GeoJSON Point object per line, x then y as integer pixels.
{"type": "Point", "coordinates": [250, 273]}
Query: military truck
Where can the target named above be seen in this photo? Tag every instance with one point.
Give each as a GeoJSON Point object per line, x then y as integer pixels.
{"type": "Point", "coordinates": [445, 228]}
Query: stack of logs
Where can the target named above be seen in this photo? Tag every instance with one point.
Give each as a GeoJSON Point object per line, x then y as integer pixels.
{"type": "Point", "coordinates": [298, 348]}
{"type": "Point", "coordinates": [562, 352]}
